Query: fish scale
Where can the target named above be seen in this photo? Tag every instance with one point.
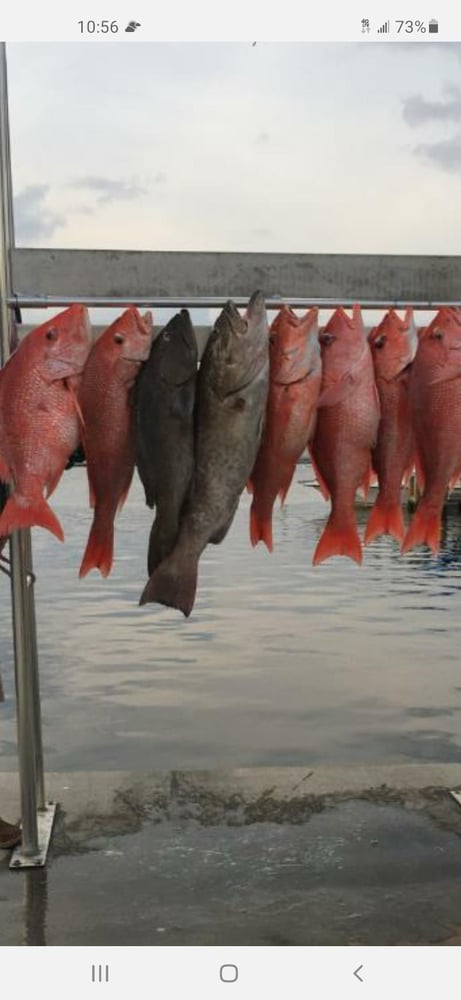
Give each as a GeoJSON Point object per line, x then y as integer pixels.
{"type": "Point", "coordinates": [294, 384]}
{"type": "Point", "coordinates": [108, 436]}
{"type": "Point", "coordinates": [393, 346]}
{"type": "Point", "coordinates": [435, 401]}
{"type": "Point", "coordinates": [39, 426]}
{"type": "Point", "coordinates": [231, 399]}
{"type": "Point", "coordinates": [346, 431]}
{"type": "Point", "coordinates": [165, 396]}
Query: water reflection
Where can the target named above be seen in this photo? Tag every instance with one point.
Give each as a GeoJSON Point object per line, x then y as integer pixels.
{"type": "Point", "coordinates": [279, 663]}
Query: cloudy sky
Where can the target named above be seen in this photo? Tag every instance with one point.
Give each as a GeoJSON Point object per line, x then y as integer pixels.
{"type": "Point", "coordinates": [294, 147]}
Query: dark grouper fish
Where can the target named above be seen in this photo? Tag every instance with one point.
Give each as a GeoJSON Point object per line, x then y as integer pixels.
{"type": "Point", "coordinates": [232, 391]}
{"type": "Point", "coordinates": [165, 394]}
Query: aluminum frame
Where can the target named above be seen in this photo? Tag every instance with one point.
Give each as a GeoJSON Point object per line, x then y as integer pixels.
{"type": "Point", "coordinates": [31, 773]}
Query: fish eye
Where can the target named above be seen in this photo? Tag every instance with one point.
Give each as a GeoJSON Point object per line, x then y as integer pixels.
{"type": "Point", "coordinates": [51, 334]}
{"type": "Point", "coordinates": [380, 341]}
{"type": "Point", "coordinates": [119, 338]}
{"type": "Point", "coordinates": [327, 338]}
{"type": "Point", "coordinates": [437, 335]}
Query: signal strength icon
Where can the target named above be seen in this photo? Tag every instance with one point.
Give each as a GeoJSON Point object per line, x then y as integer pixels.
{"type": "Point", "coordinates": [385, 28]}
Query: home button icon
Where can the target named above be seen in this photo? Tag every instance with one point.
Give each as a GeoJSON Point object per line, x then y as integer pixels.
{"type": "Point", "coordinates": [228, 973]}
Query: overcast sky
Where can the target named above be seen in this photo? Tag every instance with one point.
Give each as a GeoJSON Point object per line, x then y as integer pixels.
{"type": "Point", "coordinates": [295, 147]}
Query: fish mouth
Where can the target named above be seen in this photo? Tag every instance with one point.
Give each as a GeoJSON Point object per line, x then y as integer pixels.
{"type": "Point", "coordinates": [230, 322]}
{"type": "Point", "coordinates": [134, 361]}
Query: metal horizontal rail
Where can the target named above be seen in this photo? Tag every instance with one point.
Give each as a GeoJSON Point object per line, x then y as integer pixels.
{"type": "Point", "coordinates": [170, 278]}
{"type": "Point", "coordinates": [93, 302]}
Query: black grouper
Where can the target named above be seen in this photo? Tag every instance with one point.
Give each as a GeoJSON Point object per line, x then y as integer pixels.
{"type": "Point", "coordinates": [232, 392]}
{"type": "Point", "coordinates": [165, 396]}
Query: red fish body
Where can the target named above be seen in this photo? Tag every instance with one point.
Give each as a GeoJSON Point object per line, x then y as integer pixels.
{"type": "Point", "coordinates": [295, 376]}
{"type": "Point", "coordinates": [346, 431]}
{"type": "Point", "coordinates": [435, 402]}
{"type": "Point", "coordinates": [109, 430]}
{"type": "Point", "coordinates": [39, 425]}
{"type": "Point", "coordinates": [393, 346]}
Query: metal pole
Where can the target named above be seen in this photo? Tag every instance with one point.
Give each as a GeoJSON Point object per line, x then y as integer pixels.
{"type": "Point", "coordinates": [25, 652]}
{"type": "Point", "coordinates": [34, 672]}
{"type": "Point", "coordinates": [28, 558]}
{"type": "Point", "coordinates": [217, 302]}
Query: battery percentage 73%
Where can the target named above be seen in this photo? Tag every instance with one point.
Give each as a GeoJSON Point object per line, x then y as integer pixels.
{"type": "Point", "coordinates": [411, 26]}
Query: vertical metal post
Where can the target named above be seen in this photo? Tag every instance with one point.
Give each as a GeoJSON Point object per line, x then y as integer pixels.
{"type": "Point", "coordinates": [25, 647]}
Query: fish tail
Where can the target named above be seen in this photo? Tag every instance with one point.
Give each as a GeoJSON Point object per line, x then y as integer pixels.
{"type": "Point", "coordinates": [99, 552]}
{"type": "Point", "coordinates": [425, 529]}
{"type": "Point", "coordinates": [261, 527]}
{"type": "Point", "coordinates": [22, 513]}
{"type": "Point", "coordinates": [173, 584]}
{"type": "Point", "coordinates": [339, 538]}
{"type": "Point", "coordinates": [385, 519]}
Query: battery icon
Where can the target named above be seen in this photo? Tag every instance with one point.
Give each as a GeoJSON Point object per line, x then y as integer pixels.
{"type": "Point", "coordinates": [433, 27]}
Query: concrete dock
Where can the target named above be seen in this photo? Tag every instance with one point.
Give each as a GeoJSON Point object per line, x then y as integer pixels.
{"type": "Point", "coordinates": [265, 856]}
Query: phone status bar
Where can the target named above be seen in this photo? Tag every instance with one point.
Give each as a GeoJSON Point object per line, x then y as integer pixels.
{"type": "Point", "coordinates": [247, 21]}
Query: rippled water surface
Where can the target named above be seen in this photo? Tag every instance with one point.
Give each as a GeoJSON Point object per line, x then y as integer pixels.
{"type": "Point", "coordinates": [278, 664]}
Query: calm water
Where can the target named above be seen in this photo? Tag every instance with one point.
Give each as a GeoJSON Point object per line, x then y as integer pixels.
{"type": "Point", "coordinates": [278, 664]}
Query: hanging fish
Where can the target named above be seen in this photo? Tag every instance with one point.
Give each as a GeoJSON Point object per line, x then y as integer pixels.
{"type": "Point", "coordinates": [39, 425]}
{"type": "Point", "coordinates": [346, 431]}
{"type": "Point", "coordinates": [109, 427]}
{"type": "Point", "coordinates": [231, 400]}
{"type": "Point", "coordinates": [435, 402]}
{"type": "Point", "coordinates": [294, 384]}
{"type": "Point", "coordinates": [393, 346]}
{"type": "Point", "coordinates": [165, 395]}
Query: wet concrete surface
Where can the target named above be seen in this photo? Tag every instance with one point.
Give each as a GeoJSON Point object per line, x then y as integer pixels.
{"type": "Point", "coordinates": [182, 863]}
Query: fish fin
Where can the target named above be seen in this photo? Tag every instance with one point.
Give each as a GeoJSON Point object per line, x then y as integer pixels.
{"type": "Point", "coordinates": [378, 409]}
{"type": "Point", "coordinates": [5, 473]}
{"type": "Point", "coordinates": [27, 514]}
{"type": "Point", "coordinates": [338, 540]}
{"type": "Point", "coordinates": [425, 529]}
{"type": "Point", "coordinates": [76, 403]}
{"type": "Point", "coordinates": [384, 519]}
{"type": "Point", "coordinates": [123, 497]}
{"type": "Point", "coordinates": [454, 479]}
{"type": "Point", "coordinates": [366, 482]}
{"type": "Point", "coordinates": [343, 388]}
{"type": "Point", "coordinates": [322, 484]}
{"type": "Point", "coordinates": [250, 486]}
{"type": "Point", "coordinates": [99, 552]}
{"type": "Point", "coordinates": [261, 528]}
{"type": "Point", "coordinates": [283, 491]}
{"type": "Point", "coordinates": [162, 540]}
{"type": "Point", "coordinates": [91, 492]}
{"type": "Point", "coordinates": [408, 472]}
{"type": "Point", "coordinates": [175, 589]}
{"type": "Point", "coordinates": [404, 374]}
{"type": "Point", "coordinates": [220, 535]}
{"type": "Point", "coordinates": [338, 392]}
{"type": "Point", "coordinates": [420, 477]}
{"type": "Point", "coordinates": [373, 478]}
